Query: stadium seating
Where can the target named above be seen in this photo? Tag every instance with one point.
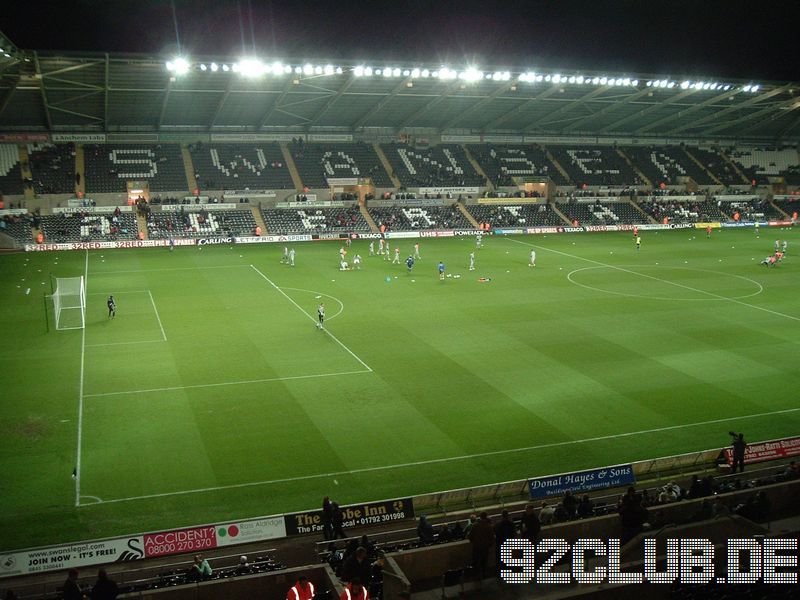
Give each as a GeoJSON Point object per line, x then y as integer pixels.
{"type": "Point", "coordinates": [18, 228]}
{"type": "Point", "coordinates": [502, 163]}
{"type": "Point", "coordinates": [110, 166]}
{"type": "Point", "coordinates": [753, 210]}
{"type": "Point", "coordinates": [594, 165]}
{"type": "Point", "coordinates": [88, 227]}
{"type": "Point", "coordinates": [317, 162]}
{"type": "Point", "coordinates": [52, 168]}
{"type": "Point", "coordinates": [240, 166]}
{"type": "Point", "coordinates": [601, 213]}
{"type": "Point", "coordinates": [761, 163]}
{"type": "Point", "coordinates": [196, 222]}
{"type": "Point", "coordinates": [516, 215]}
{"type": "Point", "coordinates": [404, 218]}
{"type": "Point", "coordinates": [715, 162]}
{"type": "Point", "coordinates": [314, 220]}
{"type": "Point", "coordinates": [10, 171]}
{"type": "Point", "coordinates": [665, 164]}
{"type": "Point", "coordinates": [789, 206]}
{"type": "Point", "coordinates": [441, 166]}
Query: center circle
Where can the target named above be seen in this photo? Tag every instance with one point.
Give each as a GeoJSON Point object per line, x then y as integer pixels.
{"type": "Point", "coordinates": [665, 283]}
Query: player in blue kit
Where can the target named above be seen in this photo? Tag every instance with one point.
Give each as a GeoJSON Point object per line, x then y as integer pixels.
{"type": "Point", "coordinates": [410, 263]}
{"type": "Point", "coordinates": [441, 270]}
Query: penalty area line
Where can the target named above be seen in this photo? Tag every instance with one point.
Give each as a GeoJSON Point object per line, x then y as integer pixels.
{"type": "Point", "coordinates": [451, 458]}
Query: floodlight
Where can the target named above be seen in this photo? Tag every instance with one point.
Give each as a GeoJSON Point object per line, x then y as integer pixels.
{"type": "Point", "coordinates": [580, 79]}
{"type": "Point", "coordinates": [235, 67]}
{"type": "Point", "coordinates": [746, 88]}
{"type": "Point", "coordinates": [358, 71]}
{"type": "Point", "coordinates": [250, 67]}
{"type": "Point", "coordinates": [603, 80]}
{"type": "Point", "coordinates": [539, 78]}
{"type": "Point", "coordinates": [339, 70]}
{"type": "Point", "coordinates": [471, 74]}
{"type": "Point", "coordinates": [706, 85]}
{"type": "Point", "coordinates": [685, 84]}
{"type": "Point", "coordinates": [698, 85]}
{"type": "Point", "coordinates": [635, 82]}
{"type": "Point", "coordinates": [287, 69]}
{"type": "Point", "coordinates": [307, 69]}
{"type": "Point", "coordinates": [595, 80]}
{"type": "Point", "coordinates": [214, 67]}
{"type": "Point", "coordinates": [548, 78]}
{"type": "Point", "coordinates": [425, 73]}
{"type": "Point", "coordinates": [318, 70]}
{"type": "Point", "coordinates": [571, 79]}
{"type": "Point", "coordinates": [226, 68]}
{"type": "Point", "coordinates": [726, 88]}
{"type": "Point", "coordinates": [556, 78]}
{"type": "Point", "coordinates": [754, 88]}
{"type": "Point", "coordinates": [378, 71]}
{"type": "Point", "coordinates": [179, 66]}
{"type": "Point", "coordinates": [367, 71]}
{"type": "Point", "coordinates": [406, 72]}
{"type": "Point", "coordinates": [203, 67]}
{"type": "Point", "coordinates": [277, 68]}
{"type": "Point", "coordinates": [415, 73]}
{"type": "Point", "coordinates": [298, 70]}
{"type": "Point", "coordinates": [671, 84]}
{"type": "Point", "coordinates": [435, 74]}
{"type": "Point", "coordinates": [396, 72]}
{"type": "Point", "coordinates": [387, 72]}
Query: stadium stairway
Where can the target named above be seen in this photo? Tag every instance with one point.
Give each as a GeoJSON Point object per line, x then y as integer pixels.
{"type": "Point", "coordinates": [80, 167]}
{"type": "Point", "coordinates": [259, 218]}
{"type": "Point", "coordinates": [779, 209]}
{"type": "Point", "coordinates": [386, 165]}
{"type": "Point", "coordinates": [466, 213]}
{"type": "Point", "coordinates": [287, 156]}
{"type": "Point", "coordinates": [735, 167]}
{"type": "Point", "coordinates": [25, 170]}
{"type": "Point", "coordinates": [477, 167]}
{"type": "Point", "coordinates": [191, 180]}
{"type": "Point", "coordinates": [702, 166]}
{"type": "Point", "coordinates": [141, 224]}
{"type": "Point", "coordinates": [636, 169]}
{"type": "Point", "coordinates": [368, 218]}
{"type": "Point", "coordinates": [648, 218]}
{"type": "Point", "coordinates": [558, 166]}
{"type": "Point", "coordinates": [559, 213]}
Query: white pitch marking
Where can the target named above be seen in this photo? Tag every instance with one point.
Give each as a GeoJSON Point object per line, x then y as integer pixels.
{"type": "Point", "coordinates": [119, 293]}
{"type": "Point", "coordinates": [168, 269]}
{"type": "Point", "coordinates": [334, 298]}
{"type": "Point", "coordinates": [153, 302]}
{"type": "Point", "coordinates": [125, 343]}
{"type": "Point", "coordinates": [597, 262]}
{"type": "Point", "coordinates": [221, 384]}
{"type": "Point", "coordinates": [313, 320]}
{"type": "Point", "coordinates": [80, 391]}
{"type": "Point", "coordinates": [454, 458]}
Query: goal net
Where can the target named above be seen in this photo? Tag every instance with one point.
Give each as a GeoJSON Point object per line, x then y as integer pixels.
{"type": "Point", "coordinates": [69, 303]}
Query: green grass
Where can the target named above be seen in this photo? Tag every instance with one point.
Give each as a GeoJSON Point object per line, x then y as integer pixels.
{"type": "Point", "coordinates": [460, 372]}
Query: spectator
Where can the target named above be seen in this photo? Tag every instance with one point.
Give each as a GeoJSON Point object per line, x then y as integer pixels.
{"type": "Point", "coordinates": [632, 513]}
{"type": "Point", "coordinates": [531, 526]}
{"type": "Point", "coordinates": [357, 567]}
{"type": "Point", "coordinates": [503, 530]}
{"type": "Point", "coordinates": [482, 538]}
{"type": "Point", "coordinates": [200, 569]}
{"type": "Point", "coordinates": [354, 591]}
{"type": "Point", "coordinates": [669, 493]}
{"type": "Point", "coordinates": [473, 518]}
{"type": "Point", "coordinates": [695, 488]}
{"type": "Point", "coordinates": [303, 589]}
{"type": "Point", "coordinates": [327, 518]}
{"type": "Point", "coordinates": [570, 504]}
{"type": "Point", "coordinates": [337, 521]}
{"type": "Point", "coordinates": [585, 507]}
{"type": "Point", "coordinates": [105, 588]}
{"type": "Point", "coordinates": [547, 514]}
{"type": "Point", "coordinates": [425, 531]}
{"type": "Point", "coordinates": [72, 591]}
{"type": "Point", "coordinates": [792, 470]}
{"type": "Point", "coordinates": [244, 566]}
{"type": "Point", "coordinates": [739, 447]}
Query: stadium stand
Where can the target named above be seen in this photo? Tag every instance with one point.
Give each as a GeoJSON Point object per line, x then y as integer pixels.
{"type": "Point", "coordinates": [18, 227]}
{"type": "Point", "coordinates": [10, 170]}
{"type": "Point", "coordinates": [403, 218]}
{"type": "Point", "coordinates": [601, 213]}
{"type": "Point", "coordinates": [516, 215]}
{"type": "Point", "coordinates": [665, 164]}
{"type": "Point", "coordinates": [713, 160]}
{"type": "Point", "coordinates": [502, 163]}
{"type": "Point", "coordinates": [316, 220]}
{"type": "Point", "coordinates": [195, 221]}
{"type": "Point", "coordinates": [762, 163]}
{"type": "Point", "coordinates": [675, 211]}
{"type": "Point", "coordinates": [86, 227]}
{"type": "Point", "coordinates": [52, 168]}
{"type": "Point", "coordinates": [441, 166]}
{"type": "Point", "coordinates": [753, 210]}
{"type": "Point", "coordinates": [789, 206]}
{"type": "Point", "coordinates": [240, 166]}
{"type": "Point", "coordinates": [316, 163]}
{"type": "Point", "coordinates": [110, 166]}
{"type": "Point", "coordinates": [594, 165]}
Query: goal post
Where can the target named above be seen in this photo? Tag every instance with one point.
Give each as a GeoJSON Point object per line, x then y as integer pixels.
{"type": "Point", "coordinates": [69, 303]}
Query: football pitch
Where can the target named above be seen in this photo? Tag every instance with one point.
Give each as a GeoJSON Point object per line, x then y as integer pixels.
{"type": "Point", "coordinates": [212, 395]}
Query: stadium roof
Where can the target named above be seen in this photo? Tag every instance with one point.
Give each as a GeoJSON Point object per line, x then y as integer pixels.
{"type": "Point", "coordinates": [89, 92]}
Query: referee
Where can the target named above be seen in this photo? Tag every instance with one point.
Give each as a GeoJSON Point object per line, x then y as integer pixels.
{"type": "Point", "coordinates": [321, 316]}
{"type": "Point", "coordinates": [112, 307]}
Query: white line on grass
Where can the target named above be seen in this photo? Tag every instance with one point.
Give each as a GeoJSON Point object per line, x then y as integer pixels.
{"type": "Point", "coordinates": [125, 343]}
{"type": "Point", "coordinates": [168, 269]}
{"type": "Point", "coordinates": [222, 384]}
{"type": "Point", "coordinates": [153, 302]}
{"type": "Point", "coordinates": [118, 293]}
{"type": "Point", "coordinates": [80, 389]}
{"type": "Point", "coordinates": [300, 308]}
{"type": "Point", "coordinates": [452, 458]}
{"type": "Point", "coordinates": [680, 285]}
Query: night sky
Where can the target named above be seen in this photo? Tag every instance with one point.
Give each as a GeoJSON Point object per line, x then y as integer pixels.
{"type": "Point", "coordinates": [748, 40]}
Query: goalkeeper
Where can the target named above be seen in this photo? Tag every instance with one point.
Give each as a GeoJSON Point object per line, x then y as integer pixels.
{"type": "Point", "coordinates": [112, 307]}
